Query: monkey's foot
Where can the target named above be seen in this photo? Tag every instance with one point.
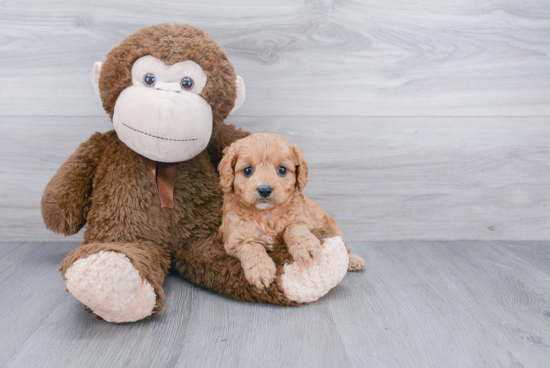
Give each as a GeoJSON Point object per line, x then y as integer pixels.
{"type": "Point", "coordinates": [307, 283]}
{"type": "Point", "coordinates": [108, 284]}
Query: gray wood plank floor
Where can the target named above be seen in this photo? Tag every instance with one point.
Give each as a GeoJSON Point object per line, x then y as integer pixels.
{"type": "Point", "coordinates": [417, 304]}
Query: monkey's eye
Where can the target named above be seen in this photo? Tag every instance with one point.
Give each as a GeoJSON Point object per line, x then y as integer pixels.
{"type": "Point", "coordinates": [187, 83]}
{"type": "Point", "coordinates": [149, 79]}
{"type": "Point", "coordinates": [247, 171]}
{"type": "Point", "coordinates": [281, 170]}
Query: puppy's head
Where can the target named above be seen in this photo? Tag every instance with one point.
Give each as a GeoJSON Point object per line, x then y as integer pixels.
{"type": "Point", "coordinates": [263, 170]}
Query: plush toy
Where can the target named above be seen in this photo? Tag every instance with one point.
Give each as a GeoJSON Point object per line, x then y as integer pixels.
{"type": "Point", "coordinates": [149, 191]}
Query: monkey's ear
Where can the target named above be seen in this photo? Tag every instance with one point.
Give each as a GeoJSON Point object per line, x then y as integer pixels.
{"type": "Point", "coordinates": [241, 94]}
{"type": "Point", "coordinates": [95, 76]}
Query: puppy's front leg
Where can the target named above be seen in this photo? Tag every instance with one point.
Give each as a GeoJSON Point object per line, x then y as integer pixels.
{"type": "Point", "coordinates": [302, 244]}
{"type": "Point", "coordinates": [259, 269]}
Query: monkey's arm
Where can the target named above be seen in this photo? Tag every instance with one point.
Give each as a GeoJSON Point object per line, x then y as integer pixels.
{"type": "Point", "coordinates": [222, 136]}
{"type": "Point", "coordinates": [67, 197]}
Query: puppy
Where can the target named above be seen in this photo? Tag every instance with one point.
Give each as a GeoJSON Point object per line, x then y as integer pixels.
{"type": "Point", "coordinates": [263, 176]}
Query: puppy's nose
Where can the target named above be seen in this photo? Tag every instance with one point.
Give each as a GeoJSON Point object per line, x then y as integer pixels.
{"type": "Point", "coordinates": [265, 190]}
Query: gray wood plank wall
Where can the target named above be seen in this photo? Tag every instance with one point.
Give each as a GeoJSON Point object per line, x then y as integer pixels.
{"type": "Point", "coordinates": [420, 119]}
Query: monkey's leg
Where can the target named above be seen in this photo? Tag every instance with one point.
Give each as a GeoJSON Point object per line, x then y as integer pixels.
{"type": "Point", "coordinates": [119, 282]}
{"type": "Point", "coordinates": [206, 264]}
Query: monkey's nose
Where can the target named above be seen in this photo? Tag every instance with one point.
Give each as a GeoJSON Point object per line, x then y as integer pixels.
{"type": "Point", "coordinates": [173, 87]}
{"type": "Point", "coordinates": [265, 190]}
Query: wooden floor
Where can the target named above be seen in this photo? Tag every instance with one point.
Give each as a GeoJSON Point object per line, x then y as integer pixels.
{"type": "Point", "coordinates": [417, 304]}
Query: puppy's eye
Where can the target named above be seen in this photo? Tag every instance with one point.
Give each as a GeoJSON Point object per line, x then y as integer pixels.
{"type": "Point", "coordinates": [187, 83]}
{"type": "Point", "coordinates": [247, 171]}
{"type": "Point", "coordinates": [149, 79]}
{"type": "Point", "coordinates": [281, 170]}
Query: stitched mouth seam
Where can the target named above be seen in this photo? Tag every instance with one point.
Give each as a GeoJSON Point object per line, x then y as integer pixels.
{"type": "Point", "coordinates": [154, 136]}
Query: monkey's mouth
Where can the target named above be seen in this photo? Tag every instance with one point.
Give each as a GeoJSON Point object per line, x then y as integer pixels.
{"type": "Point", "coordinates": [155, 136]}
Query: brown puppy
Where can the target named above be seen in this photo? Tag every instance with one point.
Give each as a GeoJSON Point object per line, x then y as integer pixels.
{"type": "Point", "coordinates": [263, 176]}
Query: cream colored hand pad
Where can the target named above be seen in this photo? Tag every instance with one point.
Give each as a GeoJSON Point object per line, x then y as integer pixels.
{"type": "Point", "coordinates": [305, 284]}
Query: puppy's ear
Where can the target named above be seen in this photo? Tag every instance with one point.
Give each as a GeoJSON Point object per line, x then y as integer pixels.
{"type": "Point", "coordinates": [301, 168]}
{"type": "Point", "coordinates": [226, 167]}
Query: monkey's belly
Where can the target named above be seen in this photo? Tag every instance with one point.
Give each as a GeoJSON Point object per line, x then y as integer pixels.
{"type": "Point", "coordinates": [126, 205]}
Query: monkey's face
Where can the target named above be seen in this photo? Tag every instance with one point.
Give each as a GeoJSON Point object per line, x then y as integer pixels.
{"type": "Point", "coordinates": [168, 88]}
{"type": "Point", "coordinates": [161, 115]}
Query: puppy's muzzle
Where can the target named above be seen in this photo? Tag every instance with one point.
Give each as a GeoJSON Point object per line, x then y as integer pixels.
{"type": "Point", "coordinates": [265, 190]}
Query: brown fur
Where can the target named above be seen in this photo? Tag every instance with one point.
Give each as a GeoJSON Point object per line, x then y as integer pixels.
{"type": "Point", "coordinates": [108, 186]}
{"type": "Point", "coordinates": [248, 231]}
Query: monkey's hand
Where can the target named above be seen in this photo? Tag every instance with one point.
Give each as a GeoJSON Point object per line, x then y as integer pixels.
{"type": "Point", "coordinates": [304, 247]}
{"type": "Point", "coordinates": [67, 197]}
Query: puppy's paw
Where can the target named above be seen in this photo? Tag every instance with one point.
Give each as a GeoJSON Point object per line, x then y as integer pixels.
{"type": "Point", "coordinates": [260, 271]}
{"type": "Point", "coordinates": [355, 262]}
{"type": "Point", "coordinates": [306, 251]}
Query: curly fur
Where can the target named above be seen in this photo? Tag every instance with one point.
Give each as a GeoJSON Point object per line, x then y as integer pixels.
{"type": "Point", "coordinates": [251, 222]}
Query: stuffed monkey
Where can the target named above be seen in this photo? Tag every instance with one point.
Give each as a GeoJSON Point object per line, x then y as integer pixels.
{"type": "Point", "coordinates": [149, 190]}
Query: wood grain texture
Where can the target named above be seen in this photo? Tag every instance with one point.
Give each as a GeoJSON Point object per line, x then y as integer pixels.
{"type": "Point", "coordinates": [418, 304]}
{"type": "Point", "coordinates": [299, 58]}
{"type": "Point", "coordinates": [464, 156]}
{"type": "Point", "coordinates": [381, 178]}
